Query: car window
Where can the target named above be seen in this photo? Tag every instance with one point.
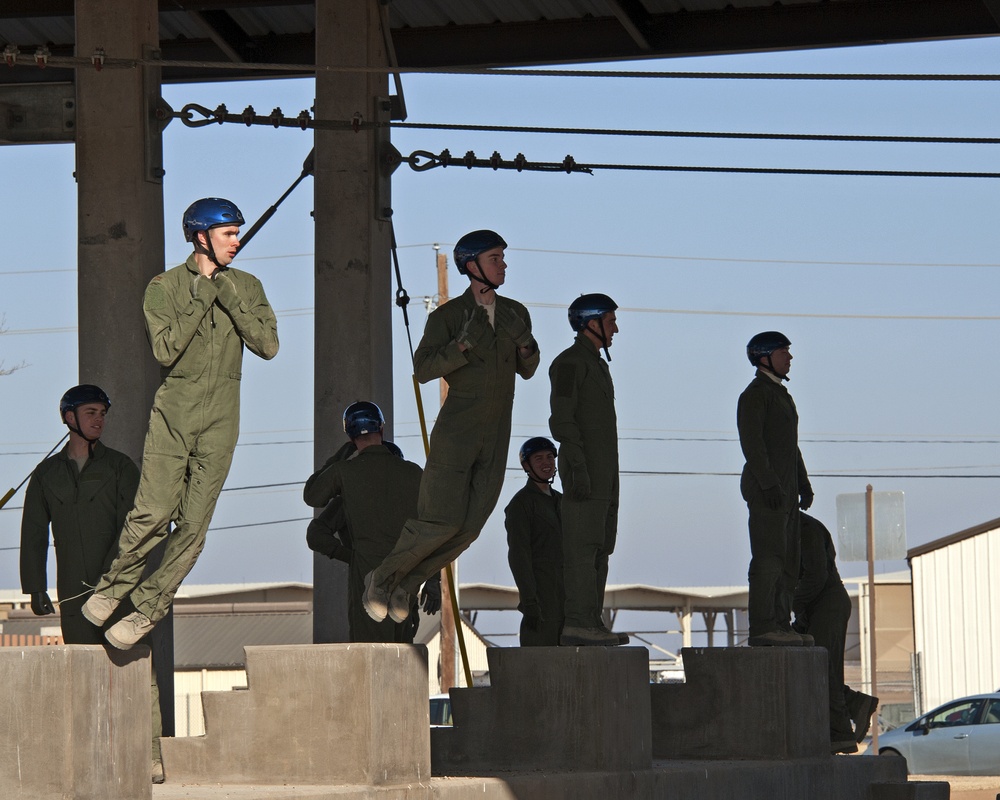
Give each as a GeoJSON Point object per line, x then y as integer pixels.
{"type": "Point", "coordinates": [992, 712]}
{"type": "Point", "coordinates": [965, 712]}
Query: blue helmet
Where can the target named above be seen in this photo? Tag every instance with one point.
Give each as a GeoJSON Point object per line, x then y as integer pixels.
{"type": "Point", "coordinates": [587, 307]}
{"type": "Point", "coordinates": [361, 418]}
{"type": "Point", "coordinates": [763, 344]}
{"type": "Point", "coordinates": [536, 444]}
{"type": "Point", "coordinates": [209, 212]}
{"type": "Point", "coordinates": [81, 395]}
{"type": "Point", "coordinates": [472, 244]}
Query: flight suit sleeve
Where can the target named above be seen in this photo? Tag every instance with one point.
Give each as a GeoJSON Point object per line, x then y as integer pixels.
{"type": "Point", "coordinates": [751, 412]}
{"type": "Point", "coordinates": [803, 476]}
{"type": "Point", "coordinates": [328, 533]}
{"type": "Point", "coordinates": [566, 376]}
{"type": "Point", "coordinates": [814, 571]}
{"type": "Point", "coordinates": [34, 538]}
{"type": "Point", "coordinates": [252, 315]}
{"type": "Point", "coordinates": [323, 485]}
{"type": "Point", "coordinates": [517, 520]}
{"type": "Point", "coordinates": [526, 366]}
{"type": "Point", "coordinates": [438, 353]}
{"type": "Point", "coordinates": [171, 323]}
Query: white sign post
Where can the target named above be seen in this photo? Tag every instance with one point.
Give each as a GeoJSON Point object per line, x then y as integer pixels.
{"type": "Point", "coordinates": [883, 535]}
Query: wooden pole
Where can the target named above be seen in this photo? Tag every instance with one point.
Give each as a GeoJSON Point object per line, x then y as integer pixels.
{"type": "Point", "coordinates": [870, 548]}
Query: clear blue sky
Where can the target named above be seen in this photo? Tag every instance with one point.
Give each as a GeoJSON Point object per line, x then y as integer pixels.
{"type": "Point", "coordinates": [858, 272]}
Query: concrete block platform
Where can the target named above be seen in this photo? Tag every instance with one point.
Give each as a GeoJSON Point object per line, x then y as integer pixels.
{"type": "Point", "coordinates": [314, 714]}
{"type": "Point", "coordinates": [744, 703]}
{"type": "Point", "coordinates": [553, 709]}
{"type": "Point", "coordinates": [74, 723]}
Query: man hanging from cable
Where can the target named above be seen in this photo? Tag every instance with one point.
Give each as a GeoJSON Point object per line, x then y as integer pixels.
{"type": "Point", "coordinates": [199, 316]}
{"type": "Point", "coordinates": [477, 342]}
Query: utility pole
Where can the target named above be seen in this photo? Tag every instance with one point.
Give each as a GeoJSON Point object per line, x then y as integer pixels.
{"type": "Point", "coordinates": [448, 621]}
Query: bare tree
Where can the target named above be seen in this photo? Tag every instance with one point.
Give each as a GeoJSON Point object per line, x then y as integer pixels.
{"type": "Point", "coordinates": [8, 370]}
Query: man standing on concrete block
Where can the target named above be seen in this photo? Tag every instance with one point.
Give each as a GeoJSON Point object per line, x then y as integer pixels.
{"type": "Point", "coordinates": [199, 317]}
{"type": "Point", "coordinates": [775, 485]}
{"type": "Point", "coordinates": [822, 610]}
{"type": "Point", "coordinates": [84, 493]}
{"type": "Point", "coordinates": [369, 491]}
{"type": "Point", "coordinates": [534, 546]}
{"type": "Point", "coordinates": [584, 422]}
{"type": "Point", "coordinates": [477, 342]}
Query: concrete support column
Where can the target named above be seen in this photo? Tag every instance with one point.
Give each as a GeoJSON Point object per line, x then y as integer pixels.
{"type": "Point", "coordinates": [353, 276]}
{"type": "Point", "coordinates": [120, 216]}
{"type": "Point", "coordinates": [119, 173]}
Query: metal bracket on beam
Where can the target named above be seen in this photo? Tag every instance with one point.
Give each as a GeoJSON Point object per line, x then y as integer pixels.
{"type": "Point", "coordinates": [387, 159]}
{"type": "Point", "coordinates": [153, 123]}
{"type": "Point", "coordinates": [37, 113]}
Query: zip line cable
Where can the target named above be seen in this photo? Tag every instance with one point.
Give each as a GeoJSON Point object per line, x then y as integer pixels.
{"type": "Point", "coordinates": [249, 117]}
{"type": "Point", "coordinates": [41, 57]}
{"type": "Point", "coordinates": [423, 160]}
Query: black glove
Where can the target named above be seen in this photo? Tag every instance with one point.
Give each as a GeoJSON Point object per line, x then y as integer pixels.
{"type": "Point", "coordinates": [774, 498]}
{"type": "Point", "coordinates": [533, 618]}
{"type": "Point", "coordinates": [227, 295]}
{"type": "Point", "coordinates": [41, 606]}
{"type": "Point", "coordinates": [430, 595]}
{"type": "Point", "coordinates": [474, 328]}
{"type": "Point", "coordinates": [516, 328]}
{"type": "Point", "coordinates": [581, 483]}
{"type": "Point", "coordinates": [805, 497]}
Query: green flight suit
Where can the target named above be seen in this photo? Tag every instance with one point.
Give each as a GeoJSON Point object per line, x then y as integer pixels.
{"type": "Point", "coordinates": [197, 328]}
{"type": "Point", "coordinates": [823, 610]}
{"type": "Point", "coordinates": [534, 552]}
{"type": "Point", "coordinates": [768, 426]}
{"type": "Point", "coordinates": [368, 497]}
{"type": "Point", "coordinates": [86, 509]}
{"type": "Point", "coordinates": [584, 422]}
{"type": "Point", "coordinates": [468, 453]}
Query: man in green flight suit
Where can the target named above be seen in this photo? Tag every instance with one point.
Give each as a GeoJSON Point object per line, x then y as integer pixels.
{"type": "Point", "coordinates": [477, 342]}
{"type": "Point", "coordinates": [775, 485]}
{"type": "Point", "coordinates": [84, 493]}
{"type": "Point", "coordinates": [199, 316]}
{"type": "Point", "coordinates": [369, 491]}
{"type": "Point", "coordinates": [534, 546]}
{"type": "Point", "coordinates": [584, 422]}
{"type": "Point", "coordinates": [822, 609]}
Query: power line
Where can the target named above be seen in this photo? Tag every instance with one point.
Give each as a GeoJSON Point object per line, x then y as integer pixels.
{"type": "Point", "coordinates": [676, 134]}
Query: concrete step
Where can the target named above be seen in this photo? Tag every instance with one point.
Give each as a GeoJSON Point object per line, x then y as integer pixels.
{"type": "Point", "coordinates": [551, 708]}
{"type": "Point", "coordinates": [744, 703]}
{"type": "Point", "coordinates": [314, 714]}
{"type": "Point", "coordinates": [75, 723]}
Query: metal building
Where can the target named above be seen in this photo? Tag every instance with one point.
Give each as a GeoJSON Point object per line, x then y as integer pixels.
{"type": "Point", "coordinates": [956, 613]}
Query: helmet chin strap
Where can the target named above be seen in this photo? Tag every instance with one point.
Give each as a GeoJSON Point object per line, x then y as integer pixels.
{"type": "Point", "coordinates": [76, 429]}
{"type": "Point", "coordinates": [600, 335]}
{"type": "Point", "coordinates": [487, 285]}
{"type": "Point", "coordinates": [211, 250]}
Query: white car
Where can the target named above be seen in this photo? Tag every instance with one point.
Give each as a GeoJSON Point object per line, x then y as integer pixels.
{"type": "Point", "coordinates": [959, 738]}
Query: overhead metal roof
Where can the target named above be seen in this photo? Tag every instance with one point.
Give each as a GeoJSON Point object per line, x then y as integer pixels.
{"type": "Point", "coordinates": [469, 33]}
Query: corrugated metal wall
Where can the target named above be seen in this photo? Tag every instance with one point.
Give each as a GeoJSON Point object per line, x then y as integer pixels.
{"type": "Point", "coordinates": [956, 613]}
